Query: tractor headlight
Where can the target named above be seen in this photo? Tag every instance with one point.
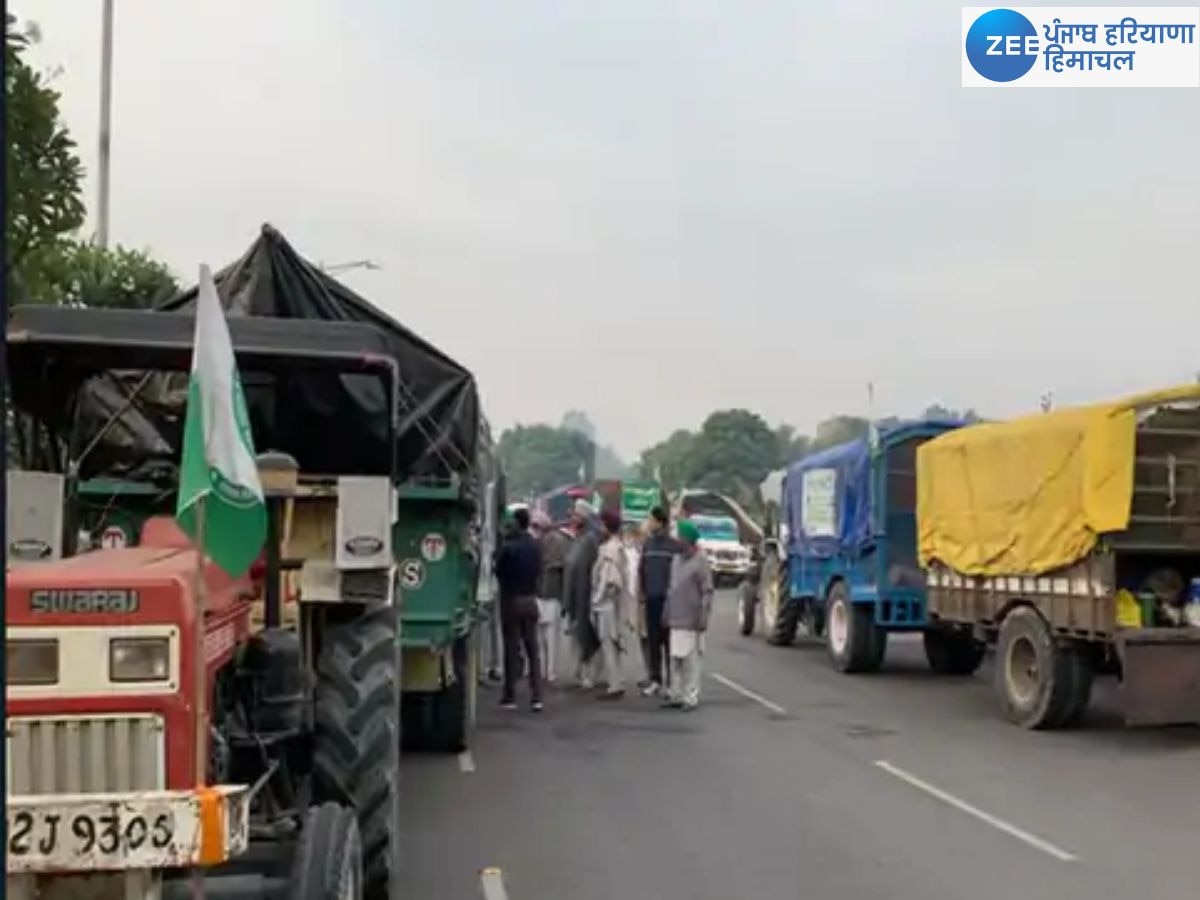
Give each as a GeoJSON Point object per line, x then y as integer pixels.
{"type": "Point", "coordinates": [31, 661]}
{"type": "Point", "coordinates": [139, 659]}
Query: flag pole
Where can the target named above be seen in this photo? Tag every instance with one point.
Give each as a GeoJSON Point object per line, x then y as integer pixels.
{"type": "Point", "coordinates": [200, 677]}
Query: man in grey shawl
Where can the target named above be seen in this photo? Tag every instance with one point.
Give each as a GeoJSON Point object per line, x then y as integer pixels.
{"type": "Point", "coordinates": [577, 593]}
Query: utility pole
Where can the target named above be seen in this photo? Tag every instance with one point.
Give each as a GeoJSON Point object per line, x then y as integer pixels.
{"type": "Point", "coordinates": [106, 42]}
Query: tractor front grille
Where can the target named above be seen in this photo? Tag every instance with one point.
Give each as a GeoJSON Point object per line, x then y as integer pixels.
{"type": "Point", "coordinates": [85, 754]}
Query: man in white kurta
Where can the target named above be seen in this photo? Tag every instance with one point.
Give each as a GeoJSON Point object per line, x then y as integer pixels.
{"type": "Point", "coordinates": [611, 604]}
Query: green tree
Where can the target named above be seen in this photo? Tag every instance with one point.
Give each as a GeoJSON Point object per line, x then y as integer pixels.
{"type": "Point", "coordinates": [578, 420]}
{"type": "Point", "coordinates": [605, 462]}
{"type": "Point", "coordinates": [792, 446]}
{"type": "Point", "coordinates": [937, 411]}
{"type": "Point", "coordinates": [43, 174]}
{"type": "Point", "coordinates": [669, 460]}
{"type": "Point", "coordinates": [733, 452]}
{"type": "Point", "coordinates": [838, 430]}
{"type": "Point", "coordinates": [79, 273]}
{"type": "Point", "coordinates": [538, 458]}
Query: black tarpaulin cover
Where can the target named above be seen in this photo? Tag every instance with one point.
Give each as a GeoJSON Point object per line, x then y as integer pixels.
{"type": "Point", "coordinates": [439, 403]}
{"type": "Point", "coordinates": [332, 423]}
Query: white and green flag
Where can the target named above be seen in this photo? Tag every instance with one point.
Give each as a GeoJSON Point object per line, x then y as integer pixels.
{"type": "Point", "coordinates": [218, 466]}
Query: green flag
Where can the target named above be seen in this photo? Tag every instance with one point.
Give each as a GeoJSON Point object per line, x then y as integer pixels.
{"type": "Point", "coordinates": [218, 466]}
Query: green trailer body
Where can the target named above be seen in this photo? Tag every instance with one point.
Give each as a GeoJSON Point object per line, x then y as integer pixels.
{"type": "Point", "coordinates": [438, 572]}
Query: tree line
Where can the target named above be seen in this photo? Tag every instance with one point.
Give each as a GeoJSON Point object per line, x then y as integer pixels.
{"type": "Point", "coordinates": [732, 452]}
{"type": "Point", "coordinates": [49, 259]}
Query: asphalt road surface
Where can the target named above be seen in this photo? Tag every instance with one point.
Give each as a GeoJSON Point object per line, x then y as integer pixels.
{"type": "Point", "coordinates": [793, 781]}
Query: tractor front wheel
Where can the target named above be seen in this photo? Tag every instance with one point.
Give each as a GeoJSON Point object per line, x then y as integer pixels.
{"type": "Point", "coordinates": [328, 862]}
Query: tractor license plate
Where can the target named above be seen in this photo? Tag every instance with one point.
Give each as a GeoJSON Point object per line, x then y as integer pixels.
{"type": "Point", "coordinates": [108, 832]}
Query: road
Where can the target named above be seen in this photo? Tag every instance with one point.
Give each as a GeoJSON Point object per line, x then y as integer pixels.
{"type": "Point", "coordinates": [792, 781]}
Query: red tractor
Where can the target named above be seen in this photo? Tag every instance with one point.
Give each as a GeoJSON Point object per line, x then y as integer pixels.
{"type": "Point", "coordinates": [296, 723]}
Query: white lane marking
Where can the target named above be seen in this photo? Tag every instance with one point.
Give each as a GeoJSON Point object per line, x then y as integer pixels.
{"type": "Point", "coordinates": [492, 882]}
{"type": "Point", "coordinates": [747, 693]}
{"type": "Point", "coordinates": [466, 762]}
{"type": "Point", "coordinates": [962, 806]}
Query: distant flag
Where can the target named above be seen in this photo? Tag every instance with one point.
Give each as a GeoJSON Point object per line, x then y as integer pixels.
{"type": "Point", "coordinates": [218, 468]}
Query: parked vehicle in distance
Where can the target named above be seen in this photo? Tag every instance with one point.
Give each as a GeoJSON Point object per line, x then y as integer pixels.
{"type": "Point", "coordinates": [729, 559]}
{"type": "Point", "coordinates": [699, 502]}
{"type": "Point", "coordinates": [1069, 540]}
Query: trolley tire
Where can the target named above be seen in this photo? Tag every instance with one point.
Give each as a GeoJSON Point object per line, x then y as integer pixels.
{"type": "Point", "coordinates": [855, 643]}
{"type": "Point", "coordinates": [1034, 675]}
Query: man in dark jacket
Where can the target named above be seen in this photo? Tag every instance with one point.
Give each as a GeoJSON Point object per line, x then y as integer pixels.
{"type": "Point", "coordinates": [518, 570]}
{"type": "Point", "coordinates": [577, 599]}
{"type": "Point", "coordinates": [654, 580]}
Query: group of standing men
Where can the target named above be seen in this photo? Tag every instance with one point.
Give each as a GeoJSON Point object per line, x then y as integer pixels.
{"type": "Point", "coordinates": [603, 589]}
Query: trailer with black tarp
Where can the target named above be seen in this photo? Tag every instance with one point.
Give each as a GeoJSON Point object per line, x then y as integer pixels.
{"type": "Point", "coordinates": [125, 427]}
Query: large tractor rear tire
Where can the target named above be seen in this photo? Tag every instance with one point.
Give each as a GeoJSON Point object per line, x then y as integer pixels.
{"type": "Point", "coordinates": [769, 590]}
{"type": "Point", "coordinates": [787, 623]}
{"type": "Point", "coordinates": [780, 614]}
{"type": "Point", "coordinates": [953, 652]}
{"type": "Point", "coordinates": [356, 753]}
{"type": "Point", "coordinates": [328, 862]}
{"type": "Point", "coordinates": [855, 643]}
{"type": "Point", "coordinates": [1035, 677]}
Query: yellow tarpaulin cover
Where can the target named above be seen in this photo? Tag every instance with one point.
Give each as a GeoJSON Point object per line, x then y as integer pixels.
{"type": "Point", "coordinates": [1032, 495]}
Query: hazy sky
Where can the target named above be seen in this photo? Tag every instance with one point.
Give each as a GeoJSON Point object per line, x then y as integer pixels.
{"type": "Point", "coordinates": [652, 209]}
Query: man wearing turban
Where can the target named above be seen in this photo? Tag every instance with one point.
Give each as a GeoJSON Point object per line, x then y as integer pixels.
{"type": "Point", "coordinates": [689, 605]}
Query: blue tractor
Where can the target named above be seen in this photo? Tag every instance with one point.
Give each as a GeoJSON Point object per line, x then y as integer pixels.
{"type": "Point", "coordinates": [843, 562]}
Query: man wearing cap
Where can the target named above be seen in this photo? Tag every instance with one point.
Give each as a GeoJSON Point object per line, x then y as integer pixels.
{"type": "Point", "coordinates": [654, 581]}
{"type": "Point", "coordinates": [554, 545]}
{"type": "Point", "coordinates": [611, 602]}
{"type": "Point", "coordinates": [689, 604]}
{"type": "Point", "coordinates": [577, 591]}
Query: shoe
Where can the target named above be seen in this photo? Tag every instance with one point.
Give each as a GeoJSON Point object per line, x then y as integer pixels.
{"type": "Point", "coordinates": [650, 689]}
{"type": "Point", "coordinates": [508, 704]}
{"type": "Point", "coordinates": [644, 683]}
{"type": "Point", "coordinates": [613, 695]}
{"type": "Point", "coordinates": [586, 684]}
{"type": "Point", "coordinates": [536, 706]}
{"type": "Point", "coordinates": [688, 707]}
{"type": "Point", "coordinates": [672, 703]}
